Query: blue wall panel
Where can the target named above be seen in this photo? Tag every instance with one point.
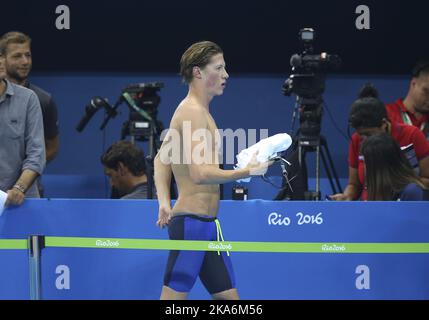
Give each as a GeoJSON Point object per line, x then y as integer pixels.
{"type": "Point", "coordinates": [137, 274]}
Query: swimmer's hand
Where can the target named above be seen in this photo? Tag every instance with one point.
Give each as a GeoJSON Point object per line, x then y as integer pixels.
{"type": "Point", "coordinates": [257, 168]}
{"type": "Point", "coordinates": [164, 216]}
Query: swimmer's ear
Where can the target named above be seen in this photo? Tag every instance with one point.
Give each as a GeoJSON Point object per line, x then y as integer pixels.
{"type": "Point", "coordinates": [196, 72]}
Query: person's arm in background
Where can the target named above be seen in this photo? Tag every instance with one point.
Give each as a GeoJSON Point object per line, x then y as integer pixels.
{"type": "Point", "coordinates": [421, 147]}
{"type": "Point", "coordinates": [354, 186]}
{"type": "Point", "coordinates": [16, 195]}
{"type": "Point", "coordinates": [52, 136]}
{"type": "Point", "coordinates": [412, 192]}
{"type": "Point", "coordinates": [52, 146]}
{"type": "Point", "coordinates": [352, 189]}
{"type": "Point", "coordinates": [424, 171]}
{"type": "Point", "coordinates": [35, 159]}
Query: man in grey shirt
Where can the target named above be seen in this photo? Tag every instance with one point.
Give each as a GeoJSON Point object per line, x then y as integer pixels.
{"type": "Point", "coordinates": [124, 164]}
{"type": "Point", "coordinates": [22, 147]}
{"type": "Point", "coordinates": [18, 63]}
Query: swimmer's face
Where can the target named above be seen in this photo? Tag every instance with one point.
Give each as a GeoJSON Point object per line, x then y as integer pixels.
{"type": "Point", "coordinates": [214, 75]}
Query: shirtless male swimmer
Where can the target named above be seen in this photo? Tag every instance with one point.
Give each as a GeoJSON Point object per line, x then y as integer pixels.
{"type": "Point", "coordinates": [197, 174]}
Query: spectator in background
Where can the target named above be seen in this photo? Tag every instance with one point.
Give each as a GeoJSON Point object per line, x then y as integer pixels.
{"type": "Point", "coordinates": [389, 175]}
{"type": "Point", "coordinates": [414, 109]}
{"type": "Point", "coordinates": [18, 66]}
{"type": "Point", "coordinates": [124, 164]}
{"type": "Point", "coordinates": [368, 116]}
{"type": "Point", "coordinates": [22, 147]}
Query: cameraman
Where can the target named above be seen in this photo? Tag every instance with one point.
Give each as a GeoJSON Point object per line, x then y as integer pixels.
{"type": "Point", "coordinates": [124, 164]}
{"type": "Point", "coordinates": [368, 116]}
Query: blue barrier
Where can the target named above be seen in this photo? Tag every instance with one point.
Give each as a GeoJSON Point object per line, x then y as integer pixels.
{"type": "Point", "coordinates": [14, 275]}
{"type": "Point", "coordinates": [335, 272]}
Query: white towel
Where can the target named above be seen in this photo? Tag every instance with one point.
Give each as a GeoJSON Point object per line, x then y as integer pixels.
{"type": "Point", "coordinates": [3, 198]}
{"type": "Point", "coordinates": [267, 148]}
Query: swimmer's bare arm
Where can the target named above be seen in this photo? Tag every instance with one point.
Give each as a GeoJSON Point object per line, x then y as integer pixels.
{"type": "Point", "coordinates": [202, 172]}
{"type": "Point", "coordinates": [162, 182]}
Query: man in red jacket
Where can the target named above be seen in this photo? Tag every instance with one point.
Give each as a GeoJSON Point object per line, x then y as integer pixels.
{"type": "Point", "coordinates": [414, 109]}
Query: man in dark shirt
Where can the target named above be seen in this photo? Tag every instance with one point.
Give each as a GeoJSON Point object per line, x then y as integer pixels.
{"type": "Point", "coordinates": [18, 63]}
{"type": "Point", "coordinates": [124, 164]}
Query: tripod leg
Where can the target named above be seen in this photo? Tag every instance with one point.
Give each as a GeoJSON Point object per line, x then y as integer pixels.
{"type": "Point", "coordinates": [331, 163]}
{"type": "Point", "coordinates": [328, 172]}
{"type": "Point", "coordinates": [316, 194]}
{"type": "Point", "coordinates": [302, 175]}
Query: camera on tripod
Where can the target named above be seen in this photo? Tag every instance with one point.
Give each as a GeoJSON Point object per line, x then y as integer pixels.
{"type": "Point", "coordinates": [142, 124]}
{"type": "Point", "coordinates": [308, 82]}
{"type": "Point", "coordinates": [143, 100]}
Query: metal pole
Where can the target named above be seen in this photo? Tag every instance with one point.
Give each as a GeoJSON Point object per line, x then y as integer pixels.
{"type": "Point", "coordinates": [318, 171]}
{"type": "Point", "coordinates": [150, 166]}
{"type": "Point", "coordinates": [35, 246]}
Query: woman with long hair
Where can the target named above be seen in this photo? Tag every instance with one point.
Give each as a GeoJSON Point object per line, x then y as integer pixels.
{"type": "Point", "coordinates": [388, 173]}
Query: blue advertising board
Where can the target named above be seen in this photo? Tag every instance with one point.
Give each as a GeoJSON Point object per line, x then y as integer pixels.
{"type": "Point", "coordinates": [330, 250]}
